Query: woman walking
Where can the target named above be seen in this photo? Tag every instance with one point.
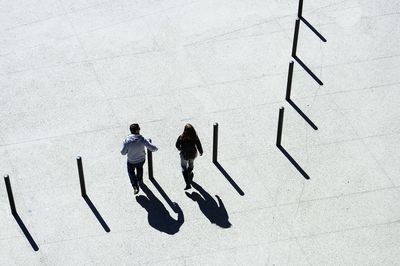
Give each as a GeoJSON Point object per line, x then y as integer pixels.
{"type": "Point", "coordinates": [188, 144]}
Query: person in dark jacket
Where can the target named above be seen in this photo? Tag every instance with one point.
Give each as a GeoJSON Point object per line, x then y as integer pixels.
{"type": "Point", "coordinates": [188, 144]}
{"type": "Point", "coordinates": [133, 146]}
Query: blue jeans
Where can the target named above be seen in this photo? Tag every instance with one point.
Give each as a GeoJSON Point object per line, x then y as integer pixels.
{"type": "Point", "coordinates": [186, 164]}
{"type": "Point", "coordinates": [138, 176]}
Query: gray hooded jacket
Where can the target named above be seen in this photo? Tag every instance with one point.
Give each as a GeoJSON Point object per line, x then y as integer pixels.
{"type": "Point", "coordinates": [134, 145]}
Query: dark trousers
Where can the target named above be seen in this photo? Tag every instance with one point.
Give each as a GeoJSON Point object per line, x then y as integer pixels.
{"type": "Point", "coordinates": [137, 176]}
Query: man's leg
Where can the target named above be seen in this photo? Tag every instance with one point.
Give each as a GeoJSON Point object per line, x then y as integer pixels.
{"type": "Point", "coordinates": [139, 171]}
{"type": "Point", "coordinates": [132, 175]}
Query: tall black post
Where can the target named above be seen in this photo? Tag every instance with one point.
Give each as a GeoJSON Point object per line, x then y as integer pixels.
{"type": "Point", "coordinates": [280, 124]}
{"type": "Point", "coordinates": [289, 81]}
{"type": "Point", "coordinates": [300, 10]}
{"type": "Point", "coordinates": [10, 195]}
{"type": "Point", "coordinates": [81, 177]}
{"type": "Point", "coordinates": [295, 37]}
{"type": "Point", "coordinates": [150, 162]}
{"type": "Point", "coordinates": [215, 142]}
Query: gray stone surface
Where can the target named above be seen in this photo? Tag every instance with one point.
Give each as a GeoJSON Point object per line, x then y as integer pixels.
{"type": "Point", "coordinates": [75, 74]}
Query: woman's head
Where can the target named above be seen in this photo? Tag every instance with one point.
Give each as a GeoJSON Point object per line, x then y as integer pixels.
{"type": "Point", "coordinates": [189, 131]}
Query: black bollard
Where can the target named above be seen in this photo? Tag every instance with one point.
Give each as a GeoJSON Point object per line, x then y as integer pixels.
{"type": "Point", "coordinates": [300, 10]}
{"type": "Point", "coordinates": [289, 81]}
{"type": "Point", "coordinates": [81, 177]}
{"type": "Point", "coordinates": [215, 142]}
{"type": "Point", "coordinates": [10, 195]}
{"type": "Point", "coordinates": [295, 37]}
{"type": "Point", "coordinates": [150, 162]}
{"type": "Point", "coordinates": [280, 124]}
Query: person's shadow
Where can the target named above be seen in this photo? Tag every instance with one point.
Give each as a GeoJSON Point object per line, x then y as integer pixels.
{"type": "Point", "coordinates": [158, 216]}
{"type": "Point", "coordinates": [215, 212]}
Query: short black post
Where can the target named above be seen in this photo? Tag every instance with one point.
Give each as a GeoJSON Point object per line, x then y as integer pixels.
{"type": "Point", "coordinates": [150, 162]}
{"type": "Point", "coordinates": [289, 81]}
{"type": "Point", "coordinates": [280, 124]}
{"type": "Point", "coordinates": [10, 194]}
{"type": "Point", "coordinates": [295, 37]}
{"type": "Point", "coordinates": [81, 177]}
{"type": "Point", "coordinates": [300, 10]}
{"type": "Point", "coordinates": [215, 143]}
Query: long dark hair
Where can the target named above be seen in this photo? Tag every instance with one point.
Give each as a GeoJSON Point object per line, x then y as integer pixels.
{"type": "Point", "coordinates": [189, 133]}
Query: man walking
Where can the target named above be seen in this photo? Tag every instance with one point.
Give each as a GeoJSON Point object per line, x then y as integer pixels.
{"type": "Point", "coordinates": [133, 146]}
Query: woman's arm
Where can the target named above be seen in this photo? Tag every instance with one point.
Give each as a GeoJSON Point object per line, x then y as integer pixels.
{"type": "Point", "coordinates": [178, 143]}
{"type": "Point", "coordinates": [199, 147]}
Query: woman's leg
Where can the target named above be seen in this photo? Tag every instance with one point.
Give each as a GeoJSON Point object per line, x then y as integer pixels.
{"type": "Point", "coordinates": [190, 168]}
{"type": "Point", "coordinates": [185, 173]}
{"type": "Point", "coordinates": [184, 163]}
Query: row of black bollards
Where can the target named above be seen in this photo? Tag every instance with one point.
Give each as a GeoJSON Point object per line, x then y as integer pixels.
{"type": "Point", "coordinates": [289, 85]}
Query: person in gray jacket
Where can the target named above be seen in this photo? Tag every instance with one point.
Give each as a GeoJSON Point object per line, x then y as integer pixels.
{"type": "Point", "coordinates": [133, 146]}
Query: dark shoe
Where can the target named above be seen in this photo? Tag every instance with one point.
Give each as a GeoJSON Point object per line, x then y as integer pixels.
{"type": "Point", "coordinates": [187, 180]}
{"type": "Point", "coordinates": [191, 175]}
{"type": "Point", "coordinates": [135, 190]}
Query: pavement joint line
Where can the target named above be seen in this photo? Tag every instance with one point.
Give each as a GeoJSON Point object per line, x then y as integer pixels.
{"type": "Point", "coordinates": [82, 9]}
{"type": "Point", "coordinates": [268, 243]}
{"type": "Point", "coordinates": [60, 136]}
{"type": "Point", "coordinates": [116, 120]}
{"type": "Point", "coordinates": [348, 229]}
{"type": "Point", "coordinates": [378, 163]}
{"type": "Point", "coordinates": [252, 79]}
{"type": "Point", "coordinates": [364, 144]}
{"type": "Point", "coordinates": [273, 147]}
{"type": "Point", "coordinates": [276, 73]}
{"type": "Point", "coordinates": [237, 212]}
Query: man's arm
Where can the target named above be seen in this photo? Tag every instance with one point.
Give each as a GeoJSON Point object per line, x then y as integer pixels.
{"type": "Point", "coordinates": [124, 149]}
{"type": "Point", "coordinates": [149, 146]}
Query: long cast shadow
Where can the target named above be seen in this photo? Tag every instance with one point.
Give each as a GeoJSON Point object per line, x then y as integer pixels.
{"type": "Point", "coordinates": [158, 216]}
{"type": "Point", "coordinates": [26, 232]}
{"type": "Point", "coordinates": [96, 213]}
{"type": "Point", "coordinates": [313, 29]}
{"type": "Point", "coordinates": [301, 63]}
{"type": "Point", "coordinates": [215, 212]}
{"type": "Point", "coordinates": [163, 194]}
{"type": "Point", "coordinates": [229, 178]}
{"type": "Point", "coordinates": [295, 164]}
{"type": "Point", "coordinates": [308, 120]}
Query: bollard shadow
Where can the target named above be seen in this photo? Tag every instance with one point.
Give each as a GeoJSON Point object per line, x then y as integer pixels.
{"type": "Point", "coordinates": [295, 164]}
{"type": "Point", "coordinates": [229, 178]}
{"type": "Point", "coordinates": [163, 194]}
{"type": "Point", "coordinates": [26, 232]}
{"type": "Point", "coordinates": [215, 212]}
{"type": "Point", "coordinates": [301, 63]}
{"type": "Point", "coordinates": [308, 24]}
{"type": "Point", "coordinates": [158, 216]}
{"type": "Point", "coordinates": [96, 213]}
{"type": "Point", "coordinates": [298, 110]}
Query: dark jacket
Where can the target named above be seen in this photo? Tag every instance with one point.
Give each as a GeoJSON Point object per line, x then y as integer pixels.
{"type": "Point", "coordinates": [188, 147]}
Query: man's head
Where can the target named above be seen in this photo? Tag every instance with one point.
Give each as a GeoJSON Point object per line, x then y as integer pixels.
{"type": "Point", "coordinates": [134, 128]}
